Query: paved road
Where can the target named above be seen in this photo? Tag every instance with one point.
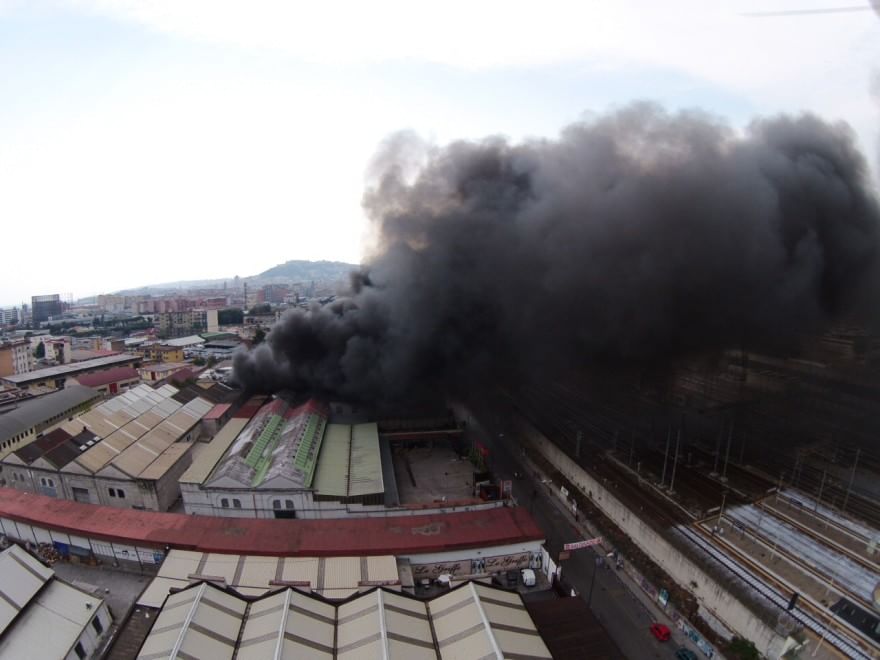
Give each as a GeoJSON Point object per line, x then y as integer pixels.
{"type": "Point", "coordinates": [625, 618]}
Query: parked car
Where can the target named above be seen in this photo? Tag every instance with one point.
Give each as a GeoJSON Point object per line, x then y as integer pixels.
{"type": "Point", "coordinates": [685, 654]}
{"type": "Point", "coordinates": [512, 578]}
{"type": "Point", "coordinates": [661, 632]}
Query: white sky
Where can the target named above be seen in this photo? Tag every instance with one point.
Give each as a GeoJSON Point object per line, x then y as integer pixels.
{"type": "Point", "coordinates": [144, 142]}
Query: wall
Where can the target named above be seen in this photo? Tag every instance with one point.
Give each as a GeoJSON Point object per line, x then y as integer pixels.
{"type": "Point", "coordinates": [89, 638]}
{"type": "Point", "coordinates": [684, 571]}
{"type": "Point", "coordinates": [259, 504]}
{"type": "Point", "coordinates": [146, 557]}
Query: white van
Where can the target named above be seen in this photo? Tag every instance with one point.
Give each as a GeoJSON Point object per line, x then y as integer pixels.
{"type": "Point", "coordinates": [528, 577]}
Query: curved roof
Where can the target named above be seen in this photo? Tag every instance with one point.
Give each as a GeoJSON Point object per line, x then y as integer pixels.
{"type": "Point", "coordinates": [391, 535]}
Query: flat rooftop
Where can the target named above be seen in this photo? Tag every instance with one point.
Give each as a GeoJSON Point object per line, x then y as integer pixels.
{"type": "Point", "coordinates": [425, 475]}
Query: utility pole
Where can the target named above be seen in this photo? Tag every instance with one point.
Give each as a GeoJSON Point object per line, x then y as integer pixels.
{"type": "Point", "coordinates": [718, 449]}
{"type": "Point", "coordinates": [592, 580]}
{"type": "Point", "coordinates": [721, 510]}
{"type": "Point", "coordinates": [675, 461]}
{"type": "Point", "coordinates": [727, 453]}
{"type": "Point", "coordinates": [852, 478]}
{"type": "Point", "coordinates": [821, 488]}
{"type": "Point", "coordinates": [666, 456]}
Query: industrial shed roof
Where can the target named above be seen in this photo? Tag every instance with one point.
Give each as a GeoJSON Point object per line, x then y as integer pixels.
{"type": "Point", "coordinates": [471, 621]}
{"type": "Point", "coordinates": [100, 378]}
{"type": "Point", "coordinates": [40, 616]}
{"type": "Point", "coordinates": [255, 575]}
{"type": "Point", "coordinates": [395, 535]}
{"type": "Point", "coordinates": [41, 409]}
{"type": "Point", "coordinates": [365, 473]}
{"type": "Point", "coordinates": [132, 431]}
{"type": "Point", "coordinates": [71, 369]}
{"type": "Point", "coordinates": [21, 577]}
{"type": "Point", "coordinates": [204, 463]}
{"type": "Point", "coordinates": [476, 621]}
{"type": "Point", "coordinates": [202, 622]}
{"type": "Point", "coordinates": [331, 475]}
{"type": "Point", "coordinates": [278, 449]}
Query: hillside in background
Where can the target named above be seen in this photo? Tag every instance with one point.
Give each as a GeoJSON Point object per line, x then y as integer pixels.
{"type": "Point", "coordinates": [308, 271]}
{"type": "Point", "coordinates": [296, 271]}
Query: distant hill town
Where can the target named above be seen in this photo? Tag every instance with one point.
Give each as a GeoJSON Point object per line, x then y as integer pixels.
{"type": "Point", "coordinates": [291, 271]}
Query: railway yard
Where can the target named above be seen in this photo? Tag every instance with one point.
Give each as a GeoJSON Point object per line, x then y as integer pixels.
{"type": "Point", "coordinates": [796, 543]}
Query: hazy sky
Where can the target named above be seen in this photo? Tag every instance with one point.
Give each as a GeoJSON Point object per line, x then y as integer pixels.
{"type": "Point", "coordinates": [151, 141]}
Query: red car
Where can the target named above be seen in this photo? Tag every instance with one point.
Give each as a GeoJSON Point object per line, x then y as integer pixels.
{"type": "Point", "coordinates": [661, 632]}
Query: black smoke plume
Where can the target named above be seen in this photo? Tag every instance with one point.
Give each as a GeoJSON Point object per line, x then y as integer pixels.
{"type": "Point", "coordinates": [635, 236]}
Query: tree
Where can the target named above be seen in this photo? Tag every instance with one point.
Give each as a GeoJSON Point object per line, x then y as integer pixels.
{"type": "Point", "coordinates": [259, 336]}
{"type": "Point", "coordinates": [743, 649]}
{"type": "Point", "coordinates": [40, 351]}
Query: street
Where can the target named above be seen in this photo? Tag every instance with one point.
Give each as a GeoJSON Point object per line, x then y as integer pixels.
{"type": "Point", "coordinates": [625, 618]}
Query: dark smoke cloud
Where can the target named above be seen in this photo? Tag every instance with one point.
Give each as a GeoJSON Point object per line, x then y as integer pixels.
{"type": "Point", "coordinates": [638, 235]}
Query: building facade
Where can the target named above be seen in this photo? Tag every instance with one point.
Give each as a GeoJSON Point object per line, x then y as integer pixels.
{"type": "Point", "coordinates": [44, 308]}
{"type": "Point", "coordinates": [15, 358]}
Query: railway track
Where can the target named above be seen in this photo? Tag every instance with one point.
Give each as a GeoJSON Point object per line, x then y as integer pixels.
{"type": "Point", "coordinates": [843, 643]}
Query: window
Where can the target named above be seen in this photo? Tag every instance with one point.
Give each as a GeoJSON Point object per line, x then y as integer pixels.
{"type": "Point", "coordinates": [236, 503]}
{"type": "Point", "coordinates": [96, 624]}
{"type": "Point", "coordinates": [224, 503]}
{"type": "Point", "coordinates": [288, 504]}
{"type": "Point", "coordinates": [80, 651]}
{"type": "Point", "coordinates": [276, 504]}
{"type": "Point", "coordinates": [112, 492]}
{"type": "Point", "coordinates": [120, 493]}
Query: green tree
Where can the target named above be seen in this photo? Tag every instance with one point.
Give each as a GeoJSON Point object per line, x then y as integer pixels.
{"type": "Point", "coordinates": [742, 649]}
{"type": "Point", "coordinates": [40, 351]}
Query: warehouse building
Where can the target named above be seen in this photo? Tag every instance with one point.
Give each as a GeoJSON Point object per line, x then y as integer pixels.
{"type": "Point", "coordinates": [255, 575]}
{"type": "Point", "coordinates": [57, 376]}
{"type": "Point", "coordinates": [127, 452]}
{"type": "Point", "coordinates": [44, 617]}
{"type": "Point", "coordinates": [284, 461]}
{"type": "Point", "coordinates": [109, 382]}
{"type": "Point", "coordinates": [30, 418]}
{"type": "Point", "coordinates": [470, 621]}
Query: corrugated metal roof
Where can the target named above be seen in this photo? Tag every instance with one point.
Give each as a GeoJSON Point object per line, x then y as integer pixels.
{"type": "Point", "coordinates": [331, 475]}
{"type": "Point", "coordinates": [471, 621]}
{"type": "Point", "coordinates": [165, 461]}
{"type": "Point", "coordinates": [276, 450]}
{"type": "Point", "coordinates": [332, 577]}
{"type": "Point", "coordinates": [71, 369]}
{"type": "Point", "coordinates": [41, 409]}
{"type": "Point", "coordinates": [476, 621]}
{"type": "Point", "coordinates": [56, 617]}
{"type": "Point", "coordinates": [288, 625]}
{"type": "Point", "coordinates": [202, 622]}
{"type": "Point", "coordinates": [21, 577]}
{"type": "Point", "coordinates": [137, 428]}
{"type": "Point", "coordinates": [205, 462]}
{"type": "Point", "coordinates": [402, 535]}
{"type": "Point", "coordinates": [365, 471]}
